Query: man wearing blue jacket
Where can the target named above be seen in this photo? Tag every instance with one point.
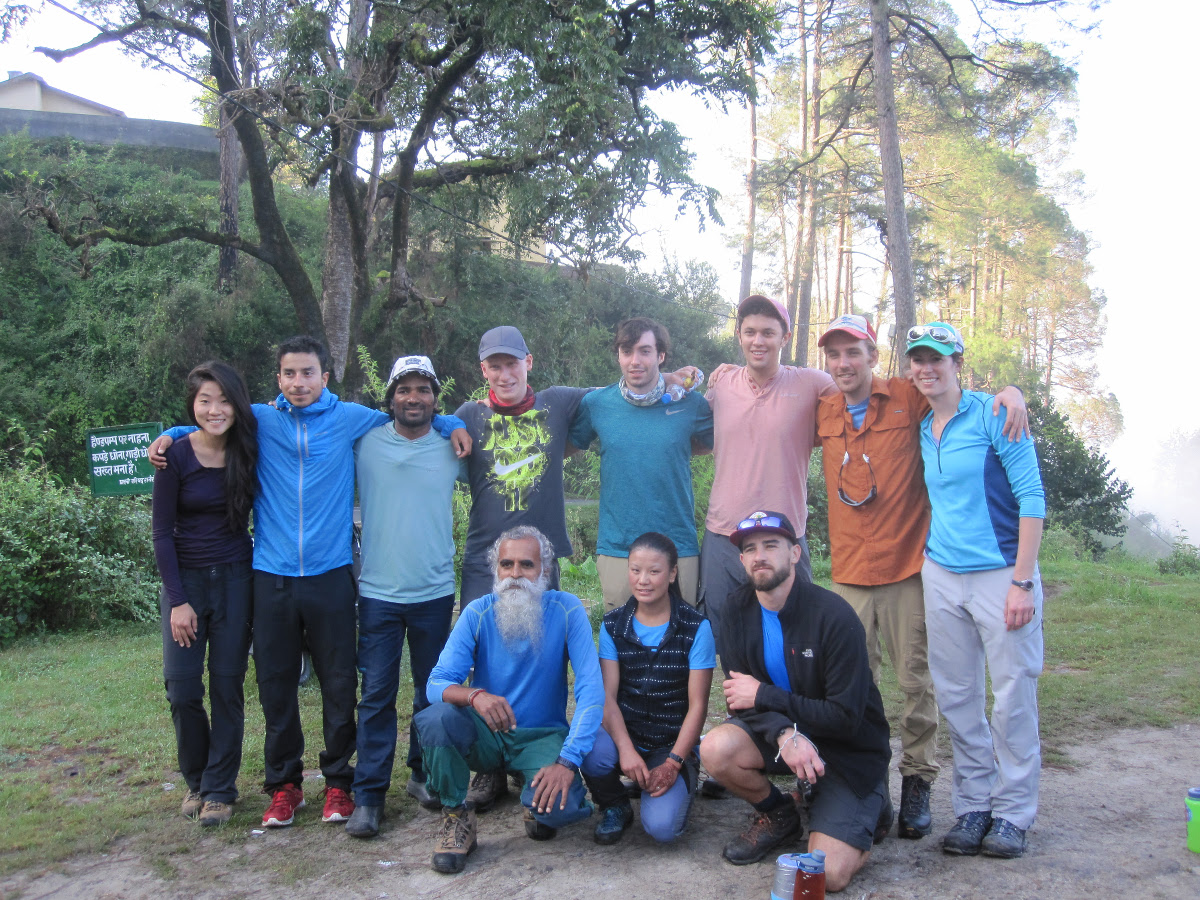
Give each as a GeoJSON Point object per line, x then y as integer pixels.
{"type": "Point", "coordinates": [514, 643]}
{"type": "Point", "coordinates": [304, 590]}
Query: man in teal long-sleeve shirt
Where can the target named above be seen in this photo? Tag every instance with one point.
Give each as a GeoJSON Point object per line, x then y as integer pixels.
{"type": "Point", "coordinates": [514, 643]}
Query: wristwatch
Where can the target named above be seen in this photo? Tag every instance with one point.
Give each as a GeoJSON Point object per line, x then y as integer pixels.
{"type": "Point", "coordinates": [1026, 585]}
{"type": "Point", "coordinates": [675, 756]}
{"type": "Point", "coordinates": [567, 764]}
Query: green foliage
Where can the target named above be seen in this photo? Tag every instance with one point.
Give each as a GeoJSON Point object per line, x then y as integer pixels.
{"type": "Point", "coordinates": [1184, 558]}
{"type": "Point", "coordinates": [1083, 494]}
{"type": "Point", "coordinates": [68, 559]}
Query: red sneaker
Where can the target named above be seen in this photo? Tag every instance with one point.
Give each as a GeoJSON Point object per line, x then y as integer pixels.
{"type": "Point", "coordinates": [338, 805]}
{"type": "Point", "coordinates": [284, 803]}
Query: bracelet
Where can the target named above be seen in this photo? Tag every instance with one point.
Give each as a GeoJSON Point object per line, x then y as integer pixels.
{"type": "Point", "coordinates": [675, 756]}
{"type": "Point", "coordinates": [794, 739]}
{"type": "Point", "coordinates": [471, 697]}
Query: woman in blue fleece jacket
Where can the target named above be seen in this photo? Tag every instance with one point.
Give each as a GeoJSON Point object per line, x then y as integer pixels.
{"type": "Point", "coordinates": [983, 598]}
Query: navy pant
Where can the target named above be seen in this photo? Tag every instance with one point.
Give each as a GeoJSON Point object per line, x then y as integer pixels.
{"type": "Point", "coordinates": [382, 626]}
{"type": "Point", "coordinates": [210, 754]}
{"type": "Point", "coordinates": [288, 613]}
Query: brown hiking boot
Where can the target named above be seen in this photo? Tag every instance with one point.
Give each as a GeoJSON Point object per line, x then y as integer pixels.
{"type": "Point", "coordinates": [456, 842]}
{"type": "Point", "coordinates": [486, 788]}
{"type": "Point", "coordinates": [192, 802]}
{"type": "Point", "coordinates": [767, 830]}
{"type": "Point", "coordinates": [215, 813]}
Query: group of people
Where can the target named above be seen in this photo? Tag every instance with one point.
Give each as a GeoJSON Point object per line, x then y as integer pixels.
{"type": "Point", "coordinates": [941, 568]}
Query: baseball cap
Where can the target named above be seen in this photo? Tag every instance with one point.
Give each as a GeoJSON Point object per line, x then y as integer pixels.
{"type": "Point", "coordinates": [408, 364]}
{"type": "Point", "coordinates": [939, 336]}
{"type": "Point", "coordinates": [763, 521]}
{"type": "Point", "coordinates": [502, 339]}
{"type": "Point", "coordinates": [856, 326]}
{"type": "Point", "coordinates": [758, 300]}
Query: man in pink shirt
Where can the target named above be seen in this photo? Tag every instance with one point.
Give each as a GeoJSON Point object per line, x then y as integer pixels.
{"type": "Point", "coordinates": [764, 424]}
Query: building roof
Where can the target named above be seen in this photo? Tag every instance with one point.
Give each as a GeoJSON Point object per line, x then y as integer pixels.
{"type": "Point", "coordinates": [15, 79]}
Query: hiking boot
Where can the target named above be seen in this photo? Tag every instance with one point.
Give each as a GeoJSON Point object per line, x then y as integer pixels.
{"type": "Point", "coordinates": [364, 821]}
{"type": "Point", "coordinates": [915, 820]}
{"type": "Point", "coordinates": [284, 803]}
{"type": "Point", "coordinates": [536, 830]}
{"type": "Point", "coordinates": [420, 792]}
{"type": "Point", "coordinates": [192, 802]}
{"type": "Point", "coordinates": [338, 806]}
{"type": "Point", "coordinates": [456, 842]}
{"type": "Point", "coordinates": [486, 788]}
{"type": "Point", "coordinates": [1005, 840]}
{"type": "Point", "coordinates": [517, 780]}
{"type": "Point", "coordinates": [767, 830]}
{"type": "Point", "coordinates": [966, 837]}
{"type": "Point", "coordinates": [883, 824]}
{"type": "Point", "coordinates": [613, 822]}
{"type": "Point", "coordinates": [215, 813]}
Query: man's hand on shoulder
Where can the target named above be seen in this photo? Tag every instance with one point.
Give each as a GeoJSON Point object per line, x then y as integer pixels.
{"type": "Point", "coordinates": [157, 451]}
{"type": "Point", "coordinates": [460, 440]}
{"type": "Point", "coordinates": [1016, 426]}
{"type": "Point", "coordinates": [741, 690]}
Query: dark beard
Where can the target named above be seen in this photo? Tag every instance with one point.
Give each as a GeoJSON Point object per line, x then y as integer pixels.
{"type": "Point", "coordinates": [777, 577]}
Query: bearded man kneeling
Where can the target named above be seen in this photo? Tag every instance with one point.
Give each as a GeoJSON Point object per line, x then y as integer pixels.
{"type": "Point", "coordinates": [514, 643]}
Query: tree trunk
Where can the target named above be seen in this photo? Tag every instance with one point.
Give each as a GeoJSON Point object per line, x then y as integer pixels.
{"type": "Point", "coordinates": [807, 258]}
{"type": "Point", "coordinates": [899, 252]}
{"type": "Point", "coordinates": [337, 286]}
{"type": "Point", "coordinates": [751, 176]}
{"type": "Point", "coordinates": [227, 200]}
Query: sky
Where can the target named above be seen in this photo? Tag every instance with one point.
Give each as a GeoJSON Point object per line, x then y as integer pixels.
{"type": "Point", "coordinates": [1135, 145]}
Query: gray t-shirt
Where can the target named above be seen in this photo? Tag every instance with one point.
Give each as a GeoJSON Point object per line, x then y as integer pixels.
{"type": "Point", "coordinates": [515, 472]}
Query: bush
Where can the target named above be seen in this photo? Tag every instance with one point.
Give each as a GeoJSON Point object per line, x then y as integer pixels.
{"type": "Point", "coordinates": [68, 559]}
{"type": "Point", "coordinates": [1183, 560]}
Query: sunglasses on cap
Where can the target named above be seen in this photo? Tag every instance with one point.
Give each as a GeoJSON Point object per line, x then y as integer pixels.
{"type": "Point", "coordinates": [939, 333]}
{"type": "Point", "coordinates": [761, 522]}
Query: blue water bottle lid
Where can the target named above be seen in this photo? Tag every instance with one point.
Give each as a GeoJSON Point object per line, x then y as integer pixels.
{"type": "Point", "coordinates": [1194, 793]}
{"type": "Point", "coordinates": [813, 863]}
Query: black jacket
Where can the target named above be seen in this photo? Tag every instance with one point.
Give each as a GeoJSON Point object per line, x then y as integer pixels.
{"type": "Point", "coordinates": [832, 697]}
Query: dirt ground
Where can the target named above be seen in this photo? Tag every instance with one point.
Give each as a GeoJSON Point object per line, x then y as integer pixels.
{"type": "Point", "coordinates": [1112, 826]}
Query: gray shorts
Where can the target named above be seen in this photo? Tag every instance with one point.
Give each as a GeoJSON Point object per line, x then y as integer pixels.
{"type": "Point", "coordinates": [835, 810]}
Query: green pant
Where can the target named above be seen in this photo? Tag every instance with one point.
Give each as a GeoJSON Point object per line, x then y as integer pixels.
{"type": "Point", "coordinates": [455, 741]}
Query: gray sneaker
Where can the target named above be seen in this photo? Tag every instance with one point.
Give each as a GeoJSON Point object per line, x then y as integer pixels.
{"type": "Point", "coordinates": [215, 813]}
{"type": "Point", "coordinates": [486, 788]}
{"type": "Point", "coordinates": [1005, 840]}
{"type": "Point", "coordinates": [192, 803]}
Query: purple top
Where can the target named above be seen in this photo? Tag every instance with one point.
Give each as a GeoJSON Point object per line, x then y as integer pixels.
{"type": "Point", "coordinates": [188, 522]}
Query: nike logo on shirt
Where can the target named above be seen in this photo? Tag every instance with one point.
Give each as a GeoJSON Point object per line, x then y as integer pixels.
{"type": "Point", "coordinates": [509, 469]}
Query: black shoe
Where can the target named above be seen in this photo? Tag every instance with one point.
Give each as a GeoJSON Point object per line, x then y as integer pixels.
{"type": "Point", "coordinates": [613, 822]}
{"type": "Point", "coordinates": [1005, 840]}
{"type": "Point", "coordinates": [713, 789]}
{"type": "Point", "coordinates": [535, 829]}
{"type": "Point", "coordinates": [420, 792]}
{"type": "Point", "coordinates": [966, 837]}
{"type": "Point", "coordinates": [915, 820]}
{"type": "Point", "coordinates": [364, 821]}
{"type": "Point", "coordinates": [486, 788]}
{"type": "Point", "coordinates": [883, 824]}
{"type": "Point", "coordinates": [767, 830]}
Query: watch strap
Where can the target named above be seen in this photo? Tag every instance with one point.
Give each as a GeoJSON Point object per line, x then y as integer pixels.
{"type": "Point", "coordinates": [567, 764]}
{"type": "Point", "coordinates": [675, 756]}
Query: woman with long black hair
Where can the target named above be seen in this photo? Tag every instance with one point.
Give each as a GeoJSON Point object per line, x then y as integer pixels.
{"type": "Point", "coordinates": [657, 657]}
{"type": "Point", "coordinates": [201, 513]}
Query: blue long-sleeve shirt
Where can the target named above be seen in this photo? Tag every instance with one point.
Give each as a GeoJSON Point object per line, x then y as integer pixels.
{"type": "Point", "coordinates": [980, 485]}
{"type": "Point", "coordinates": [533, 679]}
{"type": "Point", "coordinates": [304, 511]}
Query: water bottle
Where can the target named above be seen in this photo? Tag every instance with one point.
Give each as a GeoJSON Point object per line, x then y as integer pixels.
{"type": "Point", "coordinates": [810, 876]}
{"type": "Point", "coordinates": [799, 876]}
{"type": "Point", "coordinates": [1193, 819]}
{"type": "Point", "coordinates": [675, 392]}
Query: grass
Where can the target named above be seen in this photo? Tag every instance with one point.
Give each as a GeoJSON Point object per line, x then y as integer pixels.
{"type": "Point", "coordinates": [87, 746]}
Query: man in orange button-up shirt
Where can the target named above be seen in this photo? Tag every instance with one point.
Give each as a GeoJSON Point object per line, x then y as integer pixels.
{"type": "Point", "coordinates": [878, 523]}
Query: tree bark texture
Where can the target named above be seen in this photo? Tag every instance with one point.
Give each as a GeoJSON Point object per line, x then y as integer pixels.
{"type": "Point", "coordinates": [899, 250]}
{"type": "Point", "coordinates": [751, 190]}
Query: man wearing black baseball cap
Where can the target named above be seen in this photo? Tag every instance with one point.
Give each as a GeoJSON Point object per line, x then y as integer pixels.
{"type": "Point", "coordinates": [803, 702]}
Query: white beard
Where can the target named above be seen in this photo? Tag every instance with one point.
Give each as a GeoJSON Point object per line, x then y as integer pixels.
{"type": "Point", "coordinates": [518, 609]}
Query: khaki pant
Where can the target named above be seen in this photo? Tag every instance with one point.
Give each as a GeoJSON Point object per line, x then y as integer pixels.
{"type": "Point", "coordinates": [614, 579]}
{"type": "Point", "coordinates": [895, 613]}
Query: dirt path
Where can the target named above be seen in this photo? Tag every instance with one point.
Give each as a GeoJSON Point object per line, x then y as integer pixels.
{"type": "Point", "coordinates": [1111, 827]}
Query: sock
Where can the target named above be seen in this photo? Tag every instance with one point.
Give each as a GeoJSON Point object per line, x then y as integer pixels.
{"type": "Point", "coordinates": [773, 800]}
